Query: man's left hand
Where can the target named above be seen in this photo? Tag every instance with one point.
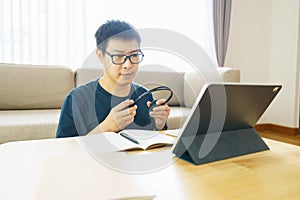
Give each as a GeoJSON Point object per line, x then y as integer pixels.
{"type": "Point", "coordinates": [160, 113]}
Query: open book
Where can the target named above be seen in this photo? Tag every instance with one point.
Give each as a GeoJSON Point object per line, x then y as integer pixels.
{"type": "Point", "coordinates": [131, 139]}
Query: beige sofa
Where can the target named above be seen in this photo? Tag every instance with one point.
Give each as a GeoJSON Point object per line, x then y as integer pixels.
{"type": "Point", "coordinates": [32, 95]}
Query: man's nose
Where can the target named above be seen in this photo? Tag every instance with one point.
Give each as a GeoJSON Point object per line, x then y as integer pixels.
{"type": "Point", "coordinates": [127, 64]}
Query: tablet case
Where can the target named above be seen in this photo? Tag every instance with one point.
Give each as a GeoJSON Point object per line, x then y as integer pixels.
{"type": "Point", "coordinates": [221, 122]}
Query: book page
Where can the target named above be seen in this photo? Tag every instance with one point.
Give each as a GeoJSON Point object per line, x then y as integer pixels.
{"type": "Point", "coordinates": [120, 142]}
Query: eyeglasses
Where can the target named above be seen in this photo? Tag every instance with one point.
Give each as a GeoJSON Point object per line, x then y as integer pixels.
{"type": "Point", "coordinates": [119, 59]}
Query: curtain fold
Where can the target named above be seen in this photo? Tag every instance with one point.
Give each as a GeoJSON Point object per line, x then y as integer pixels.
{"type": "Point", "coordinates": [221, 17]}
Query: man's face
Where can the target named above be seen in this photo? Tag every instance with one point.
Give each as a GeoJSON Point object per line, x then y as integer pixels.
{"type": "Point", "coordinates": [120, 74]}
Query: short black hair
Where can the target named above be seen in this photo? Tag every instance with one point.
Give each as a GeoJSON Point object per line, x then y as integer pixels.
{"type": "Point", "coordinates": [115, 29]}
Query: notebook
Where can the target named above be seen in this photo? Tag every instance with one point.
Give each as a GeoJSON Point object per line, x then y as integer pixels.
{"type": "Point", "coordinates": [134, 139]}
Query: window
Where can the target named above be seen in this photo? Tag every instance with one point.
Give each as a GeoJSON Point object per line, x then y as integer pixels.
{"type": "Point", "coordinates": [61, 32]}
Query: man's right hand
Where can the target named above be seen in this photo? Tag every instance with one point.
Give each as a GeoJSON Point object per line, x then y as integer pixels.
{"type": "Point", "coordinates": [119, 117]}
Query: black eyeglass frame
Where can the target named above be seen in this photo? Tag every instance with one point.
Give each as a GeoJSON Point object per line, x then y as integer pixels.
{"type": "Point", "coordinates": [126, 57]}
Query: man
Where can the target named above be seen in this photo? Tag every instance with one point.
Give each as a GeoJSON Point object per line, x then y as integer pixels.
{"type": "Point", "coordinates": [107, 104]}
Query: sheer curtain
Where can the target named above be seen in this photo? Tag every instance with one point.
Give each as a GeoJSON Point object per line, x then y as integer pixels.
{"type": "Point", "coordinates": [43, 31]}
{"type": "Point", "coordinates": [61, 32]}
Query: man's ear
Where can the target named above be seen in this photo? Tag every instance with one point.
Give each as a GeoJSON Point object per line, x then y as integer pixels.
{"type": "Point", "coordinates": [99, 54]}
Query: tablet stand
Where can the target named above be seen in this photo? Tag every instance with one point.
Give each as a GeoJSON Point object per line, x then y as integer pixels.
{"type": "Point", "coordinates": [230, 144]}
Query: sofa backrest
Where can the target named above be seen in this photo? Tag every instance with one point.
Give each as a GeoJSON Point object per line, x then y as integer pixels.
{"type": "Point", "coordinates": [34, 86]}
{"type": "Point", "coordinates": [185, 85]}
{"type": "Point", "coordinates": [46, 86]}
{"type": "Point", "coordinates": [149, 77]}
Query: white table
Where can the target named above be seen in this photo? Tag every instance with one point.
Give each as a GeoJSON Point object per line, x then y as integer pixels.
{"type": "Point", "coordinates": [63, 169]}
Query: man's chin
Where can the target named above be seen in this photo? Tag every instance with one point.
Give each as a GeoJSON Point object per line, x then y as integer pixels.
{"type": "Point", "coordinates": [124, 82]}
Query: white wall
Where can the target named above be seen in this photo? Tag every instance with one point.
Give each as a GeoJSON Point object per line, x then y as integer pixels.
{"type": "Point", "coordinates": [263, 44]}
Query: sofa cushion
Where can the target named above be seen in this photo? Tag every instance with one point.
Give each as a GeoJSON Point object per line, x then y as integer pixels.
{"type": "Point", "coordinates": [34, 86]}
{"type": "Point", "coordinates": [28, 124]}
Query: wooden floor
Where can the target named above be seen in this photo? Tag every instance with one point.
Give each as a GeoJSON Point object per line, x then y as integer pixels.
{"type": "Point", "coordinates": [282, 137]}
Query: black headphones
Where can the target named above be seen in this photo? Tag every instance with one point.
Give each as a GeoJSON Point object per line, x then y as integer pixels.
{"type": "Point", "coordinates": [153, 103]}
{"type": "Point", "coordinates": [147, 119]}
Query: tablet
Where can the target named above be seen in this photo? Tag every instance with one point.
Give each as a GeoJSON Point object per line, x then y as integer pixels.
{"type": "Point", "coordinates": [221, 122]}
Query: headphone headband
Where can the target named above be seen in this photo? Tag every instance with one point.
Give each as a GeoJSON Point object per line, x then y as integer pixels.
{"type": "Point", "coordinates": [159, 88]}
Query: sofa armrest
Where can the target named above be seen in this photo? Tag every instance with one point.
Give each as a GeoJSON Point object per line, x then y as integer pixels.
{"type": "Point", "coordinates": [194, 81]}
{"type": "Point", "coordinates": [229, 74]}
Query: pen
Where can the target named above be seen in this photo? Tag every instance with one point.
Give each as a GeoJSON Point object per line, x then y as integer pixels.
{"type": "Point", "coordinates": [129, 137]}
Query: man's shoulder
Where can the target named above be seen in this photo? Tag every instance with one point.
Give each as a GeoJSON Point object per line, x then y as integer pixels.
{"type": "Point", "coordinates": [85, 91]}
{"type": "Point", "coordinates": [87, 87]}
{"type": "Point", "coordinates": [138, 87]}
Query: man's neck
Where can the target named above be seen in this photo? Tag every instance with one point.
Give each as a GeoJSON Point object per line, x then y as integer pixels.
{"type": "Point", "coordinates": [113, 88]}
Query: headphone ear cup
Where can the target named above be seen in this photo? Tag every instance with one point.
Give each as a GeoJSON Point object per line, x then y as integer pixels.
{"type": "Point", "coordinates": [144, 120]}
{"type": "Point", "coordinates": [142, 117]}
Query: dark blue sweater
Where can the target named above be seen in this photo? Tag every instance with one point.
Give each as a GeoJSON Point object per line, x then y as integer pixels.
{"type": "Point", "coordinates": [88, 105]}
